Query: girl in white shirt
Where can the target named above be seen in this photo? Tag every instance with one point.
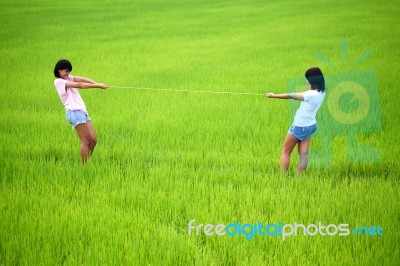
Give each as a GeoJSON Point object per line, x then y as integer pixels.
{"type": "Point", "coordinates": [76, 113]}
{"type": "Point", "coordinates": [304, 124]}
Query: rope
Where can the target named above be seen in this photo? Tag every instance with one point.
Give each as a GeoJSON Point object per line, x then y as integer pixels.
{"type": "Point", "coordinates": [194, 91]}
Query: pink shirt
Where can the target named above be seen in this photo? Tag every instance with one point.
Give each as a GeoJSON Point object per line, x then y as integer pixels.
{"type": "Point", "coordinates": [70, 98]}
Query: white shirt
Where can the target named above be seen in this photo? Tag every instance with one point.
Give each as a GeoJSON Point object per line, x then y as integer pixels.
{"type": "Point", "coordinates": [70, 97]}
{"type": "Point", "coordinates": [305, 115]}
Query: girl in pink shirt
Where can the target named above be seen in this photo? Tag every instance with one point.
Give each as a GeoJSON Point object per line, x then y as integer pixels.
{"type": "Point", "coordinates": [76, 113]}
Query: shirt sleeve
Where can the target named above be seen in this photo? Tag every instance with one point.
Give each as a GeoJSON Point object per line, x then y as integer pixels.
{"type": "Point", "coordinates": [308, 95]}
{"type": "Point", "coordinates": [60, 86]}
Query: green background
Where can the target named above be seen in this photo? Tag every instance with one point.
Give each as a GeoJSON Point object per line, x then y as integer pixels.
{"type": "Point", "coordinates": [165, 158]}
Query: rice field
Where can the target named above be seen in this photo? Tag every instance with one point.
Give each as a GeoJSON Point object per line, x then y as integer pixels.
{"type": "Point", "coordinates": [167, 155]}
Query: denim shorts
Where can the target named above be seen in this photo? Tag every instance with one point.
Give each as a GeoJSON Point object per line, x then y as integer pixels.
{"type": "Point", "coordinates": [77, 117]}
{"type": "Point", "coordinates": [302, 133]}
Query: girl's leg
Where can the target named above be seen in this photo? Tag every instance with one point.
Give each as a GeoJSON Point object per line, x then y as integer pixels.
{"type": "Point", "coordinates": [303, 155]}
{"type": "Point", "coordinates": [88, 140]}
{"type": "Point", "coordinates": [288, 145]}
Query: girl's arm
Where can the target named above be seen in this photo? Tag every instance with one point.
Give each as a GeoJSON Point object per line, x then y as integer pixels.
{"type": "Point", "coordinates": [84, 85]}
{"type": "Point", "coordinates": [291, 95]}
{"type": "Point", "coordinates": [83, 79]}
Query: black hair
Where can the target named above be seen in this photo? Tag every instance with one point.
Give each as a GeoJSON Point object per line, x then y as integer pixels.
{"type": "Point", "coordinates": [62, 64]}
{"type": "Point", "coordinates": [316, 78]}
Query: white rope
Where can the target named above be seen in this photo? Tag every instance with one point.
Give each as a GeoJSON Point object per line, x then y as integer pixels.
{"type": "Point", "coordinates": [194, 91]}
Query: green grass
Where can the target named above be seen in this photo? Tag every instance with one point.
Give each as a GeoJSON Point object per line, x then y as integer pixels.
{"type": "Point", "coordinates": [165, 158]}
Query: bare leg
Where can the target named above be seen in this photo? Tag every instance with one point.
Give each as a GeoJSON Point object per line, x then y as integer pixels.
{"type": "Point", "coordinates": [288, 145]}
{"type": "Point", "coordinates": [88, 140]}
{"type": "Point", "coordinates": [303, 155]}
